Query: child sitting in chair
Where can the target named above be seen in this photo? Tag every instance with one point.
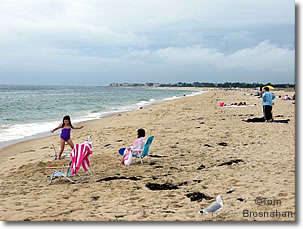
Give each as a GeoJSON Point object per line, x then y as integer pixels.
{"type": "Point", "coordinates": [139, 144]}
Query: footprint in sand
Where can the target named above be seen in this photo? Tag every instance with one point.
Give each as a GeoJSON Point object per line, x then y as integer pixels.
{"type": "Point", "coordinates": [169, 212]}
{"type": "Point", "coordinates": [282, 194]}
{"type": "Point", "coordinates": [201, 167]}
{"type": "Point", "coordinates": [230, 191]}
{"type": "Point", "coordinates": [32, 150]}
{"type": "Point", "coordinates": [222, 144]}
{"type": "Point", "coordinates": [95, 198]}
{"type": "Point", "coordinates": [158, 167]}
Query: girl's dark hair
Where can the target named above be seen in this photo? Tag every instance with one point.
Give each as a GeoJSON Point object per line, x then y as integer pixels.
{"type": "Point", "coordinates": [66, 118]}
{"type": "Point", "coordinates": [141, 133]}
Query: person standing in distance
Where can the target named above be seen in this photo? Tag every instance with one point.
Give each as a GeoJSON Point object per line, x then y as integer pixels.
{"type": "Point", "coordinates": [267, 99]}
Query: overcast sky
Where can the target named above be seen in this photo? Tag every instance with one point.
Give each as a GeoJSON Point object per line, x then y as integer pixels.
{"type": "Point", "coordinates": [96, 42]}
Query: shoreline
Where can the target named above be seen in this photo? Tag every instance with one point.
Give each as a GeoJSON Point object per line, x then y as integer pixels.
{"type": "Point", "coordinates": [8, 143]}
{"type": "Point", "coordinates": [89, 125]}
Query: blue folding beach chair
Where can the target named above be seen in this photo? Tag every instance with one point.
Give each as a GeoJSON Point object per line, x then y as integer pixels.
{"type": "Point", "coordinates": [141, 153]}
{"type": "Point", "coordinates": [62, 168]}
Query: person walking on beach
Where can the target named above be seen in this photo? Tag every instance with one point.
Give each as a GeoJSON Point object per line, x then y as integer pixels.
{"type": "Point", "coordinates": [65, 127]}
{"type": "Point", "coordinates": [267, 99]}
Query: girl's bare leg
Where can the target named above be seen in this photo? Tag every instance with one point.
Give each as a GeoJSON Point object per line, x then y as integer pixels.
{"type": "Point", "coordinates": [70, 142]}
{"type": "Point", "coordinates": [122, 162]}
{"type": "Point", "coordinates": [62, 145]}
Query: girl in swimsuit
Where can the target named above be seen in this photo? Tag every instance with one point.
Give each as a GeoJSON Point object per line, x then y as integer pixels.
{"type": "Point", "coordinates": [66, 127]}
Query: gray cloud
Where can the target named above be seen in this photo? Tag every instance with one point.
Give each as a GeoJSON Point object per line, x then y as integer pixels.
{"type": "Point", "coordinates": [146, 40]}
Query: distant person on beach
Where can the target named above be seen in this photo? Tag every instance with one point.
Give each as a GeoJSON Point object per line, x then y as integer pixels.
{"type": "Point", "coordinates": [139, 144]}
{"type": "Point", "coordinates": [242, 104]}
{"type": "Point", "coordinates": [234, 104]}
{"type": "Point", "coordinates": [267, 103]}
{"type": "Point", "coordinates": [286, 97]}
{"type": "Point", "coordinates": [65, 127]}
{"type": "Point", "coordinates": [259, 93]}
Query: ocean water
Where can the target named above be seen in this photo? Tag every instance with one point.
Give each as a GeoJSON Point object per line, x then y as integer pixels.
{"type": "Point", "coordinates": [30, 111]}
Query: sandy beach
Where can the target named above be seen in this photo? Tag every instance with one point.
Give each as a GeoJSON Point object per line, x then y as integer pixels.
{"type": "Point", "coordinates": [200, 150]}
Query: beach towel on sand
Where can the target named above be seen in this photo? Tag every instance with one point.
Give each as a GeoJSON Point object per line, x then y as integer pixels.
{"type": "Point", "coordinates": [127, 154]}
{"type": "Point", "coordinates": [127, 157]}
{"type": "Point", "coordinates": [81, 156]}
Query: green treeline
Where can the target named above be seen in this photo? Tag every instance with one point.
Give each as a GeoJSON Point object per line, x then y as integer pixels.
{"type": "Point", "coordinates": [226, 85]}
